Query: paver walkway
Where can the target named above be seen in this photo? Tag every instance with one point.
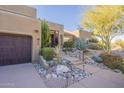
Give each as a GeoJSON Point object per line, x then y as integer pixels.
{"type": "Point", "coordinates": [101, 78]}
{"type": "Point", "coordinates": [20, 76]}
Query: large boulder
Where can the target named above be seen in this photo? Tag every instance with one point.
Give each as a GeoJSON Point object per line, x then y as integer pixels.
{"type": "Point", "coordinates": [43, 62]}
{"type": "Point", "coordinates": [97, 59]}
{"type": "Point", "coordinates": [62, 69]}
{"type": "Point", "coordinates": [48, 76]}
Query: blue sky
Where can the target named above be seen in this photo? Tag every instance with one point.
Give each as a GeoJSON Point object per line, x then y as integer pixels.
{"type": "Point", "coordinates": [68, 15]}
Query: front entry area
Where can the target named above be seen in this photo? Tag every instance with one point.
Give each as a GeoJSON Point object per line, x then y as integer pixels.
{"type": "Point", "coordinates": [15, 49]}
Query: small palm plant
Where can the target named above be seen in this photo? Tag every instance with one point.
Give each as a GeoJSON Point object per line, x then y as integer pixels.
{"type": "Point", "coordinates": [81, 45]}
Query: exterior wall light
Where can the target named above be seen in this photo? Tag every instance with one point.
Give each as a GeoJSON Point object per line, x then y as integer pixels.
{"type": "Point", "coordinates": [36, 31]}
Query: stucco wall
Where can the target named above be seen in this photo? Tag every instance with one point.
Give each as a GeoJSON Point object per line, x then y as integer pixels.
{"type": "Point", "coordinates": [20, 24]}
{"type": "Point", "coordinates": [80, 34]}
{"type": "Point", "coordinates": [58, 27]}
{"type": "Point", "coordinates": [68, 36]}
{"type": "Point", "coordinates": [19, 9]}
{"type": "Point", "coordinates": [85, 34]}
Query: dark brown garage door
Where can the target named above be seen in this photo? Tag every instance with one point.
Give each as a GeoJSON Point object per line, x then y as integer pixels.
{"type": "Point", "coordinates": [15, 49]}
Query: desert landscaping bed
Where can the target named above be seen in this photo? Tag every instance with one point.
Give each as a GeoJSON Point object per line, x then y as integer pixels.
{"type": "Point", "coordinates": [61, 75]}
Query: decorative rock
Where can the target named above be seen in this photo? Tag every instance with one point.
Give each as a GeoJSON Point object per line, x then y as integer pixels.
{"type": "Point", "coordinates": [43, 62]}
{"type": "Point", "coordinates": [54, 75]}
{"type": "Point", "coordinates": [62, 69]}
{"type": "Point", "coordinates": [44, 72]}
{"type": "Point", "coordinates": [64, 78]}
{"type": "Point", "coordinates": [40, 71]}
{"type": "Point", "coordinates": [89, 60]}
{"type": "Point", "coordinates": [97, 59]}
{"type": "Point", "coordinates": [60, 77]}
{"type": "Point", "coordinates": [51, 63]}
{"type": "Point", "coordinates": [117, 71]}
{"type": "Point", "coordinates": [48, 76]}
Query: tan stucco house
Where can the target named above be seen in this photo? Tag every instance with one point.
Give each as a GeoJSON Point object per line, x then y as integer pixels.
{"type": "Point", "coordinates": [73, 35]}
{"type": "Point", "coordinates": [20, 34]}
{"type": "Point", "coordinates": [69, 36]}
{"type": "Point", "coordinates": [57, 33]}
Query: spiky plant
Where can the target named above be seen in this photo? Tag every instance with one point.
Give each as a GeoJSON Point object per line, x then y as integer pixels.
{"type": "Point", "coordinates": [58, 56]}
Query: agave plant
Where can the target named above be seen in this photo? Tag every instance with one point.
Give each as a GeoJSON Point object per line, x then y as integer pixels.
{"type": "Point", "coordinates": [81, 45]}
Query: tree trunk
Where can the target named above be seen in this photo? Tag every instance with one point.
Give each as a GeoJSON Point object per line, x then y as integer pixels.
{"type": "Point", "coordinates": [83, 60]}
{"type": "Point", "coordinates": [108, 45]}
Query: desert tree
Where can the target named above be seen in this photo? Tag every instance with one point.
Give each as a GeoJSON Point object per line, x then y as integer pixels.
{"type": "Point", "coordinates": [106, 22]}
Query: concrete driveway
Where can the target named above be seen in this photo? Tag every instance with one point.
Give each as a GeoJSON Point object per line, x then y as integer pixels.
{"type": "Point", "coordinates": [20, 76]}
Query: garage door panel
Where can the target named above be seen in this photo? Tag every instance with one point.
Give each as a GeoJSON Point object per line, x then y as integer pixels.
{"type": "Point", "coordinates": [15, 49]}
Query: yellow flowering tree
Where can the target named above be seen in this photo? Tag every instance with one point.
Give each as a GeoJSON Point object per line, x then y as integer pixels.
{"type": "Point", "coordinates": [105, 22]}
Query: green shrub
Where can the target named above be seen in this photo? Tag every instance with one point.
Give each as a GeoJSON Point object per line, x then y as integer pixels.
{"type": "Point", "coordinates": [47, 53]}
{"type": "Point", "coordinates": [67, 49]}
{"type": "Point", "coordinates": [122, 66]}
{"type": "Point", "coordinates": [113, 62]}
{"type": "Point", "coordinates": [68, 44]}
{"type": "Point", "coordinates": [94, 46]}
{"type": "Point", "coordinates": [93, 40]}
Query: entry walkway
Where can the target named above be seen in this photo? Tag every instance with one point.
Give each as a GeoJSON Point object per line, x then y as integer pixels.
{"type": "Point", "coordinates": [100, 78]}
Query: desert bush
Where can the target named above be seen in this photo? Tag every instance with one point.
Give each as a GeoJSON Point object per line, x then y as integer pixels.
{"type": "Point", "coordinates": [68, 44]}
{"type": "Point", "coordinates": [122, 68]}
{"type": "Point", "coordinates": [94, 46]}
{"type": "Point", "coordinates": [120, 43]}
{"type": "Point", "coordinates": [93, 40]}
{"type": "Point", "coordinates": [47, 53]}
{"type": "Point", "coordinates": [113, 62]}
